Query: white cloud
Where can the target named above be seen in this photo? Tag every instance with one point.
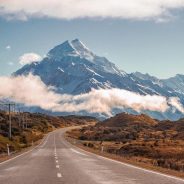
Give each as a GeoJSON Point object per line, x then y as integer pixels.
{"type": "Point", "coordinates": [175, 102]}
{"type": "Point", "coordinates": [8, 47]}
{"type": "Point", "coordinates": [31, 91]}
{"type": "Point", "coordinates": [10, 63]}
{"type": "Point", "coordinates": [70, 9]}
{"type": "Point", "coordinates": [29, 58]}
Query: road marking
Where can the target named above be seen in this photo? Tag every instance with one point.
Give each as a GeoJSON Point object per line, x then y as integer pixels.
{"type": "Point", "coordinates": [56, 161]}
{"type": "Point", "coordinates": [132, 166]}
{"type": "Point", "coordinates": [57, 166]}
{"type": "Point", "coordinates": [43, 144]}
{"type": "Point", "coordinates": [75, 151]}
{"type": "Point", "coordinates": [45, 141]}
{"type": "Point", "coordinates": [139, 168]}
{"type": "Point", "coordinates": [26, 151]}
{"type": "Point", "coordinates": [59, 175]}
{"type": "Point", "coordinates": [68, 144]}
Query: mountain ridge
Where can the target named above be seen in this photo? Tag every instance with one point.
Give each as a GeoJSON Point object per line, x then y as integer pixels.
{"type": "Point", "coordinates": [73, 69]}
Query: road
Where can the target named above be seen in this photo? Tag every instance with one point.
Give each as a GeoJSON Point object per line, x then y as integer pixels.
{"type": "Point", "coordinates": [55, 161]}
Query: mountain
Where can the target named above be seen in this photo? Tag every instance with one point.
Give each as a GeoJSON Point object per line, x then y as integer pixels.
{"type": "Point", "coordinates": [73, 68]}
{"type": "Point", "coordinates": [173, 86]}
{"type": "Point", "coordinates": [176, 83]}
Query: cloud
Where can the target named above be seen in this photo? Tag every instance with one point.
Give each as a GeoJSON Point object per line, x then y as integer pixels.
{"type": "Point", "coordinates": [29, 58]}
{"type": "Point", "coordinates": [71, 9]}
{"type": "Point", "coordinates": [104, 100]}
{"type": "Point", "coordinates": [10, 63]}
{"type": "Point", "coordinates": [31, 91]}
{"type": "Point", "coordinates": [8, 47]}
{"type": "Point", "coordinates": [175, 102]}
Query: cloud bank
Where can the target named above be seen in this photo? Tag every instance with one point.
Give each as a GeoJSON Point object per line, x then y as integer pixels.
{"type": "Point", "coordinates": [31, 91]}
{"type": "Point", "coordinates": [159, 10]}
{"type": "Point", "coordinates": [29, 58]}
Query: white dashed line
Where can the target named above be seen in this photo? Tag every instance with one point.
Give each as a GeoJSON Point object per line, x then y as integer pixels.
{"type": "Point", "coordinates": [75, 151]}
{"type": "Point", "coordinates": [38, 146]}
{"type": "Point", "coordinates": [59, 175]}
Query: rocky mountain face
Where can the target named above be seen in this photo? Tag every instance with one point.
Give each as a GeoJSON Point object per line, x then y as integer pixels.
{"type": "Point", "coordinates": [73, 69]}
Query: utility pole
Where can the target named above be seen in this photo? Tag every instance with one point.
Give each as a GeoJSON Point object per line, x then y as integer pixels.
{"type": "Point", "coordinates": [26, 120]}
{"type": "Point", "coordinates": [9, 118]}
{"type": "Point", "coordinates": [19, 115]}
{"type": "Point", "coordinates": [23, 121]}
{"type": "Point", "coordinates": [10, 123]}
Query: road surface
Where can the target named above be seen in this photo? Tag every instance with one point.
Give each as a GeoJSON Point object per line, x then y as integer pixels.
{"type": "Point", "coordinates": [55, 161]}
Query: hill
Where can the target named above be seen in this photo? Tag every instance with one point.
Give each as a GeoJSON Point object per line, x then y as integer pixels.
{"type": "Point", "coordinates": [28, 128]}
{"type": "Point", "coordinates": [138, 138]}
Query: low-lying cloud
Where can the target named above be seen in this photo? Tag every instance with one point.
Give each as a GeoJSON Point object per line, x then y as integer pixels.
{"type": "Point", "coordinates": [31, 91]}
{"type": "Point", "coordinates": [29, 58]}
{"type": "Point", "coordinates": [175, 102]}
{"type": "Point", "coordinates": [159, 10]}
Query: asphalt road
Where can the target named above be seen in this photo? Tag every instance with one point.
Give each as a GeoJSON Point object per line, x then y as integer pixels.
{"type": "Point", "coordinates": [56, 161]}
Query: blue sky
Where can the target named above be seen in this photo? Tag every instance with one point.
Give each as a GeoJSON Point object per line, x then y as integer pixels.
{"type": "Point", "coordinates": [149, 46]}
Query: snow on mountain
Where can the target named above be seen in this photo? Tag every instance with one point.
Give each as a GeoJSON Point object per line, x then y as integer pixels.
{"type": "Point", "coordinates": [176, 83]}
{"type": "Point", "coordinates": [72, 68]}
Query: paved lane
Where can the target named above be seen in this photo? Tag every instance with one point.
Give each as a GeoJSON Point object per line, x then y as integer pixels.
{"type": "Point", "coordinates": [57, 161]}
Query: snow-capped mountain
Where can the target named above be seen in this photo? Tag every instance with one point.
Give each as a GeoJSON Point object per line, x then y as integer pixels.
{"type": "Point", "coordinates": [173, 86]}
{"type": "Point", "coordinates": [176, 83]}
{"type": "Point", "coordinates": [72, 68]}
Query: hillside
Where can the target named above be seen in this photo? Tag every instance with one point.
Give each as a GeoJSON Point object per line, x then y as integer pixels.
{"type": "Point", "coordinates": [138, 138]}
{"type": "Point", "coordinates": [26, 134]}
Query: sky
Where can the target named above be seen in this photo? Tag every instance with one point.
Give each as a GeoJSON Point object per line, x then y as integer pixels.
{"type": "Point", "coordinates": [135, 35]}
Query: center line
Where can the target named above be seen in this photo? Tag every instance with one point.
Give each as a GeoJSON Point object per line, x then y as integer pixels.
{"type": "Point", "coordinates": [59, 175]}
{"type": "Point", "coordinates": [56, 161]}
{"type": "Point", "coordinates": [57, 166]}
